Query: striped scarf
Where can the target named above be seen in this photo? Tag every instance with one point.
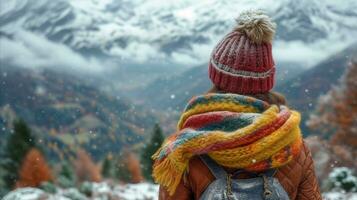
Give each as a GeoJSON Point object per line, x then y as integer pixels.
{"type": "Point", "coordinates": [234, 130]}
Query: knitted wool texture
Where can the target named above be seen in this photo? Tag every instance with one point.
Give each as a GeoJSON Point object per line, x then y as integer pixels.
{"type": "Point", "coordinates": [242, 62]}
{"type": "Point", "coordinates": [234, 130]}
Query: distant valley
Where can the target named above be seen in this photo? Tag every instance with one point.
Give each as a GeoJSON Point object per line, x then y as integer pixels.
{"type": "Point", "coordinates": [63, 110]}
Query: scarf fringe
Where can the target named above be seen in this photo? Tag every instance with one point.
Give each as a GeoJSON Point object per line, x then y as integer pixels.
{"type": "Point", "coordinates": [169, 174]}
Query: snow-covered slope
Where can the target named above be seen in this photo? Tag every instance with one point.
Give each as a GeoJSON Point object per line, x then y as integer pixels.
{"type": "Point", "coordinates": [181, 32]}
{"type": "Point", "coordinates": [99, 191]}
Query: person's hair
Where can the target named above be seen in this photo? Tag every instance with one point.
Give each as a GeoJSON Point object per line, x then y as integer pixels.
{"type": "Point", "coordinates": [270, 97]}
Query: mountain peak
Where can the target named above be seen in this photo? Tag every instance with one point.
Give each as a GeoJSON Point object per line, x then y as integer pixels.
{"type": "Point", "coordinates": [181, 32]}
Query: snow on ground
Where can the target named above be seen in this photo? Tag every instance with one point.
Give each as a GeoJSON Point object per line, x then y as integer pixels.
{"type": "Point", "coordinates": [100, 191]}
{"type": "Point", "coordinates": [32, 194]}
{"type": "Point", "coordinates": [104, 191]}
{"type": "Point", "coordinates": [339, 196]}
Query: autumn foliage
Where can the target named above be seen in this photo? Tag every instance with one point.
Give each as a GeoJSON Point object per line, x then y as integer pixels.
{"type": "Point", "coordinates": [127, 168]}
{"type": "Point", "coordinates": [133, 166]}
{"type": "Point", "coordinates": [34, 170]}
{"type": "Point", "coordinates": [336, 117]}
{"type": "Point", "coordinates": [86, 169]}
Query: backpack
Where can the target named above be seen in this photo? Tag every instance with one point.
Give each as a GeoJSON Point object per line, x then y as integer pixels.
{"type": "Point", "coordinates": [262, 187]}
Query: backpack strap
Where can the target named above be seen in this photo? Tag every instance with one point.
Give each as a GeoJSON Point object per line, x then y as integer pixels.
{"type": "Point", "coordinates": [267, 173]}
{"type": "Point", "coordinates": [217, 171]}
{"type": "Point", "coordinates": [270, 172]}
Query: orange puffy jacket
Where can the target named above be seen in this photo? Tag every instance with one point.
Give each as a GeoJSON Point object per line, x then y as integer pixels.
{"type": "Point", "coordinates": [297, 178]}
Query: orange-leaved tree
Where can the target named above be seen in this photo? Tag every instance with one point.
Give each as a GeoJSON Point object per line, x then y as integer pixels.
{"type": "Point", "coordinates": [336, 117]}
{"type": "Point", "coordinates": [127, 168]}
{"type": "Point", "coordinates": [133, 165]}
{"type": "Point", "coordinates": [86, 169]}
{"type": "Point", "coordinates": [34, 170]}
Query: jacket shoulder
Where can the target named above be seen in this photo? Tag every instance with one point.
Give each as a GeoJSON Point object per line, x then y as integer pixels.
{"type": "Point", "coordinates": [292, 174]}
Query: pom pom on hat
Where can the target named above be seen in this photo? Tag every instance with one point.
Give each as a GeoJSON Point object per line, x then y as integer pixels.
{"type": "Point", "coordinates": [257, 26]}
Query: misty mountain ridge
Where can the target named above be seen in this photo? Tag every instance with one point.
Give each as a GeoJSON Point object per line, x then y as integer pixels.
{"type": "Point", "coordinates": [317, 80]}
{"type": "Point", "coordinates": [173, 92]}
{"type": "Point", "coordinates": [303, 90]}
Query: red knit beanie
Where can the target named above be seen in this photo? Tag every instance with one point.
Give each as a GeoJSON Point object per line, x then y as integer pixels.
{"type": "Point", "coordinates": [242, 61]}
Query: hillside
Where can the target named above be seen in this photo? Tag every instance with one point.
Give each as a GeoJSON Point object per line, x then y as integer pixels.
{"type": "Point", "coordinates": [303, 90]}
{"type": "Point", "coordinates": [173, 92]}
{"type": "Point", "coordinates": [64, 110]}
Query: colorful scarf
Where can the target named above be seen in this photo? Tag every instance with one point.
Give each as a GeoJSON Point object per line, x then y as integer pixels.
{"type": "Point", "coordinates": [234, 130]}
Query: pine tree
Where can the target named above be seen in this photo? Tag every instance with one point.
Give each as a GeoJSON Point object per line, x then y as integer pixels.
{"type": "Point", "coordinates": [107, 167]}
{"type": "Point", "coordinates": [18, 145]}
{"type": "Point", "coordinates": [121, 170]}
{"type": "Point", "coordinates": [342, 179]}
{"type": "Point", "coordinates": [157, 138]}
{"type": "Point", "coordinates": [66, 177]}
{"type": "Point", "coordinates": [34, 170]}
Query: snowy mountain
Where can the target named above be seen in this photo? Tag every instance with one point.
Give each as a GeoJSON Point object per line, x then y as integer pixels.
{"type": "Point", "coordinates": [159, 31]}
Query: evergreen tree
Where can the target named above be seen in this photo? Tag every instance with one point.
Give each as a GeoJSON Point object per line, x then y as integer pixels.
{"type": "Point", "coordinates": [342, 179]}
{"type": "Point", "coordinates": [107, 167]}
{"type": "Point", "coordinates": [121, 170]}
{"type": "Point", "coordinates": [18, 145]}
{"type": "Point", "coordinates": [66, 177]}
{"type": "Point", "coordinates": [157, 138]}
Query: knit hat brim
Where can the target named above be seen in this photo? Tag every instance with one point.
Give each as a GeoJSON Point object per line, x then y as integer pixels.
{"type": "Point", "coordinates": [239, 83]}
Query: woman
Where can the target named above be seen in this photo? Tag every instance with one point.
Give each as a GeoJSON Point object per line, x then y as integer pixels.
{"type": "Point", "coordinates": [239, 141]}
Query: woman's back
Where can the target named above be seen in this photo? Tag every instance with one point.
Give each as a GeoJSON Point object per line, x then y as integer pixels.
{"type": "Point", "coordinates": [297, 178]}
{"type": "Point", "coordinates": [241, 125]}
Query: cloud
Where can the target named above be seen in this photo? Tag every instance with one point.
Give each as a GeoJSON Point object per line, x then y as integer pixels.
{"type": "Point", "coordinates": [29, 50]}
{"type": "Point", "coordinates": [196, 55]}
{"type": "Point", "coordinates": [308, 54]}
{"type": "Point", "coordinates": [138, 52]}
{"type": "Point", "coordinates": [301, 53]}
